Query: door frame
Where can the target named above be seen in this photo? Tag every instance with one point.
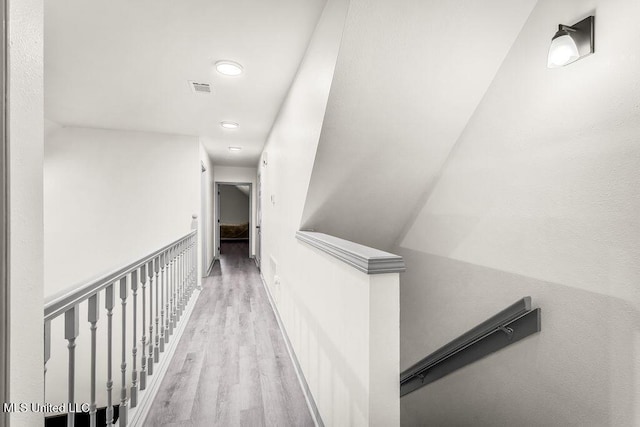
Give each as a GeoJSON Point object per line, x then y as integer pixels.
{"type": "Point", "coordinates": [258, 227]}
{"type": "Point", "coordinates": [216, 220]}
{"type": "Point", "coordinates": [203, 220]}
{"type": "Point", "coordinates": [4, 219]}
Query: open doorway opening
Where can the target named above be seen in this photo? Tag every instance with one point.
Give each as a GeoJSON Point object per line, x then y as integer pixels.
{"type": "Point", "coordinates": [233, 217]}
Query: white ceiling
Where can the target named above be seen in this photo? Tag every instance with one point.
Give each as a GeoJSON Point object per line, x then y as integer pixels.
{"type": "Point", "coordinates": [124, 64]}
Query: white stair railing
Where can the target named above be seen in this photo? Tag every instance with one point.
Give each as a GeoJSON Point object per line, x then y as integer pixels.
{"type": "Point", "coordinates": [169, 274]}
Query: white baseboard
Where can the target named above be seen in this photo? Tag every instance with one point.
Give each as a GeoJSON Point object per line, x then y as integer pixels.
{"type": "Point", "coordinates": [311, 403]}
{"type": "Point", "coordinates": [213, 261]}
{"type": "Point", "coordinates": [138, 415]}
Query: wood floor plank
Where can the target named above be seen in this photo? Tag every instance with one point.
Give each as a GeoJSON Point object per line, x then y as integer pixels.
{"type": "Point", "coordinates": [252, 417]}
{"type": "Point", "coordinates": [231, 367]}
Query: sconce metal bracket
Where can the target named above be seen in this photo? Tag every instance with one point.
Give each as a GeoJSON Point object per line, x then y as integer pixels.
{"type": "Point", "coordinates": [583, 36]}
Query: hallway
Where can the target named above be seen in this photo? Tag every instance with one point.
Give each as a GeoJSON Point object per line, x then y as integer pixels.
{"type": "Point", "coordinates": [231, 367]}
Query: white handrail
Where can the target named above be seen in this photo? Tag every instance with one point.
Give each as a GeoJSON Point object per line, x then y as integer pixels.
{"type": "Point", "coordinates": [57, 304]}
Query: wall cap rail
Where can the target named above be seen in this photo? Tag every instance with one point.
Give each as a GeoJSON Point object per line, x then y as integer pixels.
{"type": "Point", "coordinates": [367, 260]}
{"type": "Point", "coordinates": [57, 304]}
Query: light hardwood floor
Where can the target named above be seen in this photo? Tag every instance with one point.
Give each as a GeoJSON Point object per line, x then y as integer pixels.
{"type": "Point", "coordinates": [231, 367]}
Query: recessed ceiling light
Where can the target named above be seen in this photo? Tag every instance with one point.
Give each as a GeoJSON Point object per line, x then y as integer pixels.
{"type": "Point", "coordinates": [229, 125]}
{"type": "Point", "coordinates": [229, 68]}
{"type": "Point", "coordinates": [235, 148]}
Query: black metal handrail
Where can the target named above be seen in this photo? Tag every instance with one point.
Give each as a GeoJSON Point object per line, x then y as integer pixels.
{"type": "Point", "coordinates": [510, 325]}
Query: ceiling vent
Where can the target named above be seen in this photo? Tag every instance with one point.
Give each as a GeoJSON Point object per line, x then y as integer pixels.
{"type": "Point", "coordinates": [199, 87]}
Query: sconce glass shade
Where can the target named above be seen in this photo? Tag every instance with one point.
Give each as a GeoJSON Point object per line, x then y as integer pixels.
{"type": "Point", "coordinates": [571, 43]}
{"type": "Point", "coordinates": [563, 50]}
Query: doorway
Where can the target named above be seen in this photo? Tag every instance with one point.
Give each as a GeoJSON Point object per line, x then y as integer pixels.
{"type": "Point", "coordinates": [258, 255]}
{"type": "Point", "coordinates": [233, 216]}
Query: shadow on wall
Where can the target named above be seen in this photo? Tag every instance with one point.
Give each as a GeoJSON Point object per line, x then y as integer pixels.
{"type": "Point", "coordinates": [581, 370]}
{"type": "Point", "coordinates": [332, 210]}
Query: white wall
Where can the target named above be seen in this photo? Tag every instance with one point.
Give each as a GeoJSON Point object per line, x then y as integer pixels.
{"type": "Point", "coordinates": [540, 197]}
{"type": "Point", "coordinates": [114, 196]}
{"type": "Point", "coordinates": [409, 76]}
{"type": "Point", "coordinates": [344, 326]}
{"type": "Point", "coordinates": [245, 175]}
{"type": "Point", "coordinates": [234, 205]}
{"type": "Point", "coordinates": [209, 210]}
{"type": "Point", "coordinates": [315, 293]}
{"type": "Point", "coordinates": [26, 130]}
{"type": "Point", "coordinates": [110, 197]}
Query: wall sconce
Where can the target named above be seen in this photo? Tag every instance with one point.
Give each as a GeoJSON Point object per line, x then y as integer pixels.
{"type": "Point", "coordinates": [571, 43]}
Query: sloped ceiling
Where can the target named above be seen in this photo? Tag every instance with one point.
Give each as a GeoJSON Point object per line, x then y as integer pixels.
{"type": "Point", "coordinates": [123, 64]}
{"type": "Point", "coordinates": [408, 78]}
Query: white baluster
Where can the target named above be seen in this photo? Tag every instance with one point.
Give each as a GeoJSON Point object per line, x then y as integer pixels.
{"type": "Point", "coordinates": [194, 263]}
{"type": "Point", "coordinates": [192, 267]}
{"type": "Point", "coordinates": [190, 277]}
{"type": "Point", "coordinates": [143, 359]}
{"type": "Point", "coordinates": [177, 287]}
{"type": "Point", "coordinates": [168, 301]}
{"type": "Point", "coordinates": [47, 353]}
{"type": "Point", "coordinates": [178, 283]}
{"type": "Point", "coordinates": [183, 278]}
{"type": "Point", "coordinates": [93, 316]}
{"type": "Point", "coordinates": [134, 350]}
{"type": "Point", "coordinates": [150, 359]}
{"type": "Point", "coordinates": [204, 270]}
{"type": "Point", "coordinates": [185, 289]}
{"type": "Point", "coordinates": [122, 417]}
{"type": "Point", "coordinates": [188, 261]}
{"type": "Point", "coordinates": [156, 350]}
{"type": "Point", "coordinates": [109, 304]}
{"type": "Point", "coordinates": [172, 302]}
{"type": "Point", "coordinates": [71, 331]}
{"type": "Point", "coordinates": [167, 290]}
{"type": "Point", "coordinates": [163, 281]}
